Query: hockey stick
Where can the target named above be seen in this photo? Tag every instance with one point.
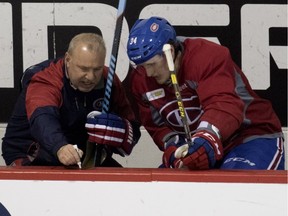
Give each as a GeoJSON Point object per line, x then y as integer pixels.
{"type": "Point", "coordinates": [96, 154]}
{"type": "Point", "coordinates": [181, 151]}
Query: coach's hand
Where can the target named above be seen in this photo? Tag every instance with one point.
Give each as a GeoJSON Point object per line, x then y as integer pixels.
{"type": "Point", "coordinates": [68, 156]}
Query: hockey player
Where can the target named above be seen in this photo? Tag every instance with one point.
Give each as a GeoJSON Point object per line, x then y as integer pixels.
{"type": "Point", "coordinates": [231, 127]}
{"type": "Point", "coordinates": [50, 115]}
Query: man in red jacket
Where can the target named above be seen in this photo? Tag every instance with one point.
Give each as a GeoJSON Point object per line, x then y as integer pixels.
{"type": "Point", "coordinates": [231, 127]}
{"type": "Point", "coordinates": [50, 116]}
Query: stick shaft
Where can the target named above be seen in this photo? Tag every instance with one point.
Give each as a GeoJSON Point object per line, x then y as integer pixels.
{"type": "Point", "coordinates": [96, 154]}
{"type": "Point", "coordinates": [170, 62]}
{"type": "Point", "coordinates": [111, 72]}
{"type": "Point", "coordinates": [114, 56]}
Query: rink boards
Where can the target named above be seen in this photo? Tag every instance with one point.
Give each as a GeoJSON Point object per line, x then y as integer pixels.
{"type": "Point", "coordinates": [58, 191]}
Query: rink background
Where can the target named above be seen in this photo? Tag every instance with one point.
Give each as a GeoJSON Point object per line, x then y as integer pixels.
{"type": "Point", "coordinates": [254, 33]}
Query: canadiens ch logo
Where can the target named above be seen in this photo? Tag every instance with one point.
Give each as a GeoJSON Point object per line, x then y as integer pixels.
{"type": "Point", "coordinates": [97, 104]}
{"type": "Point", "coordinates": [154, 27]}
{"type": "Point", "coordinates": [193, 110]}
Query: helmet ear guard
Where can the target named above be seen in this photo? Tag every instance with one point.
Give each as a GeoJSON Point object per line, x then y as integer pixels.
{"type": "Point", "coordinates": [147, 37]}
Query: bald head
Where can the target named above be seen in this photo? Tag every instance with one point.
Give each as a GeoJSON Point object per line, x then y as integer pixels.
{"type": "Point", "coordinates": [84, 60]}
{"type": "Point", "coordinates": [90, 41]}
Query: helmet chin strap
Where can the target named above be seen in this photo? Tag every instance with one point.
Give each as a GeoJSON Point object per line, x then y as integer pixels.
{"type": "Point", "coordinates": [67, 75]}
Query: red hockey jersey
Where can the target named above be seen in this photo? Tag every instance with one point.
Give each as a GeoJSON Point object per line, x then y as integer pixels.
{"type": "Point", "coordinates": [213, 89]}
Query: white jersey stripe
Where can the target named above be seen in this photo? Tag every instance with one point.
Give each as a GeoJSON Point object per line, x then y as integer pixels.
{"type": "Point", "coordinates": [120, 130]}
{"type": "Point", "coordinates": [278, 155]}
{"type": "Point", "coordinates": [109, 138]}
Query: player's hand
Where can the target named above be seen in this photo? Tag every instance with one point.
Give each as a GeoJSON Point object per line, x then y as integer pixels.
{"type": "Point", "coordinates": [67, 155]}
{"type": "Point", "coordinates": [205, 150]}
{"type": "Point", "coordinates": [109, 129]}
{"type": "Point", "coordinates": [169, 160]}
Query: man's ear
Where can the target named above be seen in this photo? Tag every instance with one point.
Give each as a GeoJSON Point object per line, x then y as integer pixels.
{"type": "Point", "coordinates": [67, 59]}
{"type": "Point", "coordinates": [173, 51]}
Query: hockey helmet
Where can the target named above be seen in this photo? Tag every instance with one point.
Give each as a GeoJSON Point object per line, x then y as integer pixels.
{"type": "Point", "coordinates": [147, 37]}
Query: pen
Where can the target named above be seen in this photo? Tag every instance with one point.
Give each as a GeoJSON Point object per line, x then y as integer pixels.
{"type": "Point", "coordinates": [77, 150]}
